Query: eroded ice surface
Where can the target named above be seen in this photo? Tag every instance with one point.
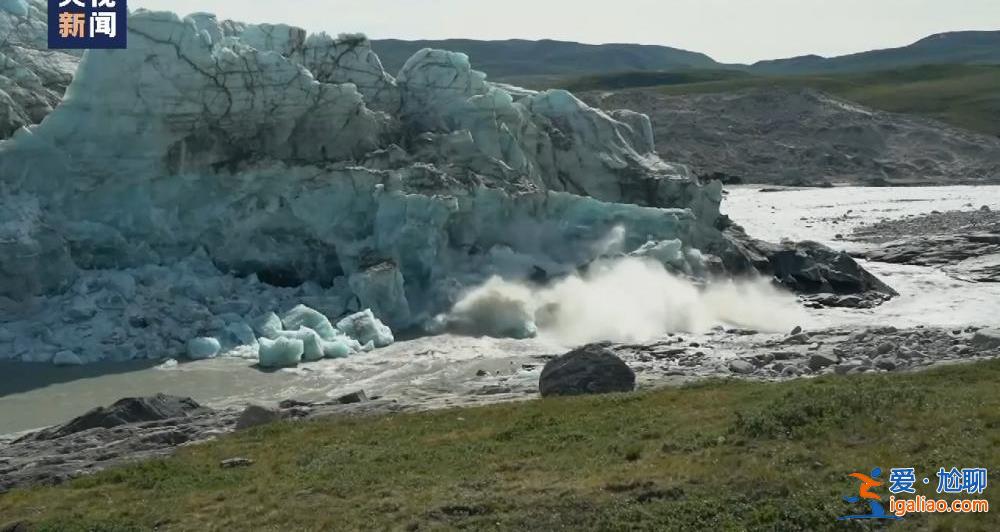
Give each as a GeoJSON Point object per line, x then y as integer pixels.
{"type": "Point", "coordinates": [32, 77]}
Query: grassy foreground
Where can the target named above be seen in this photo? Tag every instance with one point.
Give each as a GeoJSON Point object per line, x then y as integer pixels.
{"type": "Point", "coordinates": [713, 456]}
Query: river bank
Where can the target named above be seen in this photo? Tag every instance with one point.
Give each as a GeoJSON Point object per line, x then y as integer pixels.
{"type": "Point", "coordinates": [713, 455]}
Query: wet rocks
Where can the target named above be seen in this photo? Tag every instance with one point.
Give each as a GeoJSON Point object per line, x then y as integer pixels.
{"type": "Point", "coordinates": [810, 267]}
{"type": "Point", "coordinates": [974, 257]}
{"type": "Point", "coordinates": [885, 348]}
{"type": "Point", "coordinates": [822, 360]}
{"type": "Point", "coordinates": [862, 301]}
{"type": "Point", "coordinates": [256, 415]}
{"type": "Point", "coordinates": [126, 411]}
{"type": "Point", "coordinates": [987, 339]}
{"type": "Point", "coordinates": [353, 397]}
{"type": "Point", "coordinates": [852, 366]}
{"type": "Point", "coordinates": [840, 351]}
{"type": "Point", "coordinates": [94, 442]}
{"type": "Point", "coordinates": [143, 428]}
{"type": "Point", "coordinates": [798, 338]}
{"type": "Point", "coordinates": [592, 369]}
{"type": "Point", "coordinates": [741, 366]}
{"type": "Point", "coordinates": [965, 243]}
{"type": "Point", "coordinates": [930, 225]}
{"type": "Point", "coordinates": [886, 363]}
{"type": "Point", "coordinates": [828, 277]}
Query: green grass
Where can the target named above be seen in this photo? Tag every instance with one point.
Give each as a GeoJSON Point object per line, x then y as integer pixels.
{"type": "Point", "coordinates": [713, 456]}
{"type": "Point", "coordinates": [627, 80]}
{"type": "Point", "coordinates": [966, 96]}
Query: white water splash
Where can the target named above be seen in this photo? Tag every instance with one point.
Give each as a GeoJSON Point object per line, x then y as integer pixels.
{"type": "Point", "coordinates": [622, 300]}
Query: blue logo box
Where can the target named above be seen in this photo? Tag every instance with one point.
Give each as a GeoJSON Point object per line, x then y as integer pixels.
{"type": "Point", "coordinates": [85, 24]}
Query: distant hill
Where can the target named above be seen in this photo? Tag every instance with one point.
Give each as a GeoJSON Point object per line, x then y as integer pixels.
{"type": "Point", "coordinates": [519, 58]}
{"type": "Point", "coordinates": [966, 96]}
{"type": "Point", "coordinates": [964, 47]}
{"type": "Point", "coordinates": [542, 61]}
{"type": "Point", "coordinates": [800, 136]}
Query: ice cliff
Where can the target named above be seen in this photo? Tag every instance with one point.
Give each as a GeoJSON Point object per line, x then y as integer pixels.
{"type": "Point", "coordinates": [215, 173]}
{"type": "Point", "coordinates": [32, 78]}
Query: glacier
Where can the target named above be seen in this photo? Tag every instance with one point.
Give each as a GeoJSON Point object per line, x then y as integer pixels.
{"type": "Point", "coordinates": [32, 77]}
{"type": "Point", "coordinates": [188, 191]}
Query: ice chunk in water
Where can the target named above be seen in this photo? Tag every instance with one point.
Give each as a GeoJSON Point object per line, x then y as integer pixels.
{"type": "Point", "coordinates": [241, 333]}
{"type": "Point", "coordinates": [381, 288]}
{"type": "Point", "coordinates": [303, 316]}
{"type": "Point", "coordinates": [67, 358]}
{"type": "Point", "coordinates": [203, 348]}
{"type": "Point", "coordinates": [365, 327]}
{"type": "Point", "coordinates": [268, 325]}
{"type": "Point", "coordinates": [280, 353]}
{"type": "Point", "coordinates": [339, 348]}
{"type": "Point", "coordinates": [312, 344]}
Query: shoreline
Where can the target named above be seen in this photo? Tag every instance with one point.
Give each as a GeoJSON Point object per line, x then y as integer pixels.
{"type": "Point", "coordinates": [677, 458]}
{"type": "Point", "coordinates": [670, 363]}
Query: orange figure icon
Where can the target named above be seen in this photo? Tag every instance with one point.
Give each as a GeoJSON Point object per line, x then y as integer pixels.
{"type": "Point", "coordinates": [867, 483]}
{"type": "Point", "coordinates": [72, 25]}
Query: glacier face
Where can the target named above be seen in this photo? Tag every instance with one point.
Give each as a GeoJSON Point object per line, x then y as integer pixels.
{"type": "Point", "coordinates": [215, 172]}
{"type": "Point", "coordinates": [32, 78]}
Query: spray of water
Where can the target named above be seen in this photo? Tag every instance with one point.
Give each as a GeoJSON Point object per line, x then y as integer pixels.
{"type": "Point", "coordinates": [624, 300]}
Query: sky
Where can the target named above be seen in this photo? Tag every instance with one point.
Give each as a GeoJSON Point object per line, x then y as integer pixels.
{"type": "Point", "coordinates": [731, 31]}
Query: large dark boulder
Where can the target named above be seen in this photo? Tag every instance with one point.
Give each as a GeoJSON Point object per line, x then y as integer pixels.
{"type": "Point", "coordinates": [126, 411]}
{"type": "Point", "coordinates": [806, 267]}
{"type": "Point", "coordinates": [591, 369]}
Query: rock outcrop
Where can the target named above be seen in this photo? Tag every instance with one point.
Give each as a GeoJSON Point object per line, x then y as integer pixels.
{"type": "Point", "coordinates": [592, 369]}
{"type": "Point", "coordinates": [143, 428]}
{"type": "Point", "coordinates": [126, 411]}
{"type": "Point", "coordinates": [831, 277]}
{"type": "Point", "coordinates": [966, 244]}
{"type": "Point", "coordinates": [806, 137]}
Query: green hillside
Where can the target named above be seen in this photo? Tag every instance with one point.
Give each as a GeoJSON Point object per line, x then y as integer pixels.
{"type": "Point", "coordinates": [960, 47]}
{"type": "Point", "coordinates": [536, 61]}
{"type": "Point", "coordinates": [966, 96]}
{"type": "Point", "coordinates": [517, 58]}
